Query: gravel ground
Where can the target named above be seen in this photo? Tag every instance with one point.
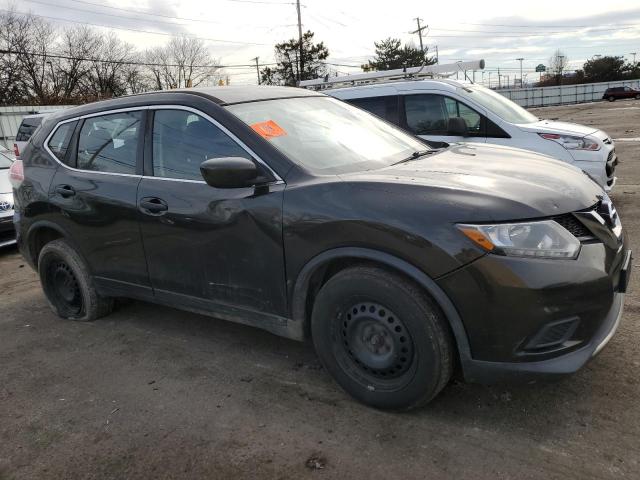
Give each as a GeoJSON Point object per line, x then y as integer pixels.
{"type": "Point", "coordinates": [151, 392]}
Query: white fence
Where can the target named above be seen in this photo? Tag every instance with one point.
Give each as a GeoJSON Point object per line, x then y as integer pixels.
{"type": "Point", "coordinates": [564, 94]}
{"type": "Point", "coordinates": [10, 118]}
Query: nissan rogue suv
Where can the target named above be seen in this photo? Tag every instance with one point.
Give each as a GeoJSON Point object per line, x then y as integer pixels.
{"type": "Point", "coordinates": [299, 214]}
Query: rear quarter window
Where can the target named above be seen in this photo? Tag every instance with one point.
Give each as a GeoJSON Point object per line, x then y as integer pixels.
{"type": "Point", "coordinates": [59, 142]}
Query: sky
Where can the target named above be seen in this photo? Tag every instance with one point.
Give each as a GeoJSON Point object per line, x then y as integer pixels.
{"type": "Point", "coordinates": [237, 31]}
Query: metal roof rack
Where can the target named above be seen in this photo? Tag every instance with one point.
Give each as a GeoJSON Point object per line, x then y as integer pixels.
{"type": "Point", "coordinates": [392, 75]}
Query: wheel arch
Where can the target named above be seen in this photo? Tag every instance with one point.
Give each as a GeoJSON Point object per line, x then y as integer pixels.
{"type": "Point", "coordinates": [310, 279]}
{"type": "Point", "coordinates": [38, 235]}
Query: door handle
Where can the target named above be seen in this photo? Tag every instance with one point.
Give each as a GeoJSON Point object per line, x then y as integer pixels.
{"type": "Point", "coordinates": [65, 191]}
{"type": "Point", "coordinates": [153, 205]}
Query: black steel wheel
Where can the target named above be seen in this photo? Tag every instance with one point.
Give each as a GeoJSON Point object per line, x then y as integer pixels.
{"type": "Point", "coordinates": [382, 338]}
{"type": "Point", "coordinates": [67, 284]}
{"type": "Point", "coordinates": [376, 342]}
{"type": "Point", "coordinates": [65, 290]}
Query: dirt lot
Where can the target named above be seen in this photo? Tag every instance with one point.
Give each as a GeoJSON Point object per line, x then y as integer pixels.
{"type": "Point", "coordinates": [151, 392]}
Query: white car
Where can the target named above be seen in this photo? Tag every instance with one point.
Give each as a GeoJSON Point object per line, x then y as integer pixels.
{"type": "Point", "coordinates": [435, 110]}
{"type": "Point", "coordinates": [7, 231]}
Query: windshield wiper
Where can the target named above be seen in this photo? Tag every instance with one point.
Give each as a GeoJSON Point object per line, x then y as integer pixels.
{"type": "Point", "coordinates": [414, 156]}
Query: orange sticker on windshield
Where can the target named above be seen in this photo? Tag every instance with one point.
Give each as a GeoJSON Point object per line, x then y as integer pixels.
{"type": "Point", "coordinates": [269, 129]}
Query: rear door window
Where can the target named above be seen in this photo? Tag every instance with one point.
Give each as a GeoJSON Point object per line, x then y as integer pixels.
{"type": "Point", "coordinates": [27, 127]}
{"type": "Point", "coordinates": [109, 143]}
{"type": "Point", "coordinates": [59, 141]}
{"type": "Point", "coordinates": [385, 107]}
{"type": "Point", "coordinates": [182, 140]}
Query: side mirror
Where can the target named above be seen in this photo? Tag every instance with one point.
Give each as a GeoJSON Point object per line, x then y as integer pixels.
{"type": "Point", "coordinates": [458, 127]}
{"type": "Point", "coordinates": [231, 172]}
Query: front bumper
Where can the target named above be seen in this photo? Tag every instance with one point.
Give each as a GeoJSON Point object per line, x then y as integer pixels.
{"type": "Point", "coordinates": [478, 371]}
{"type": "Point", "coordinates": [7, 230]}
{"type": "Point", "coordinates": [532, 317]}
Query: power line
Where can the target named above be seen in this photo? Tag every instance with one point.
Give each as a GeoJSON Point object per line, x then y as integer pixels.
{"type": "Point", "coordinates": [124, 62]}
{"type": "Point", "coordinates": [131, 29]}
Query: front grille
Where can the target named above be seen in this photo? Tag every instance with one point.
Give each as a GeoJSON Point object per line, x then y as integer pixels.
{"type": "Point", "coordinates": [574, 225]}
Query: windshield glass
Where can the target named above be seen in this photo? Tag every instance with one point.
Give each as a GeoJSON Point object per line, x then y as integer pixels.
{"type": "Point", "coordinates": [5, 162]}
{"type": "Point", "coordinates": [327, 136]}
{"type": "Point", "coordinates": [498, 104]}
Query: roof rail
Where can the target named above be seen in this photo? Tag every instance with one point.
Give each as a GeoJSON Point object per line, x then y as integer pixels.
{"type": "Point", "coordinates": [390, 75]}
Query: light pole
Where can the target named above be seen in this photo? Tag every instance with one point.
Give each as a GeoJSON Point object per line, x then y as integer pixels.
{"type": "Point", "coordinates": [520, 60]}
{"type": "Point", "coordinates": [634, 57]}
{"type": "Point", "coordinates": [560, 67]}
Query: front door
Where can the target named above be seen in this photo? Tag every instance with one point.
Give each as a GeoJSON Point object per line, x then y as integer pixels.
{"type": "Point", "coordinates": [205, 246]}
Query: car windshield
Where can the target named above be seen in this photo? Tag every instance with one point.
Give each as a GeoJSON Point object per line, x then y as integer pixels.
{"type": "Point", "coordinates": [498, 104]}
{"type": "Point", "coordinates": [327, 136]}
{"type": "Point", "coordinates": [5, 162]}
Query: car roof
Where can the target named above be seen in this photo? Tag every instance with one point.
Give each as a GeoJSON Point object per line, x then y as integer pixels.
{"type": "Point", "coordinates": [227, 95]}
{"type": "Point", "coordinates": [436, 83]}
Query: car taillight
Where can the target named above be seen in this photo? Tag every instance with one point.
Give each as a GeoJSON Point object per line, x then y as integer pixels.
{"type": "Point", "coordinates": [16, 173]}
{"type": "Point", "coordinates": [16, 150]}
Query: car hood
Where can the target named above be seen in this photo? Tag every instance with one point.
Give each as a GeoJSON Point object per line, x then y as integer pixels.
{"type": "Point", "coordinates": [5, 184]}
{"type": "Point", "coordinates": [563, 128]}
{"type": "Point", "coordinates": [489, 182]}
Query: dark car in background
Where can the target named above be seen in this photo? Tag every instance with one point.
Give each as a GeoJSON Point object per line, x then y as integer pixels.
{"type": "Point", "coordinates": [617, 93]}
{"type": "Point", "coordinates": [297, 213]}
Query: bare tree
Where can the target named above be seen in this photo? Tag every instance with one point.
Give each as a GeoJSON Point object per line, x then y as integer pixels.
{"type": "Point", "coordinates": [110, 63]}
{"type": "Point", "coordinates": [183, 62]}
{"type": "Point", "coordinates": [33, 54]}
{"type": "Point", "coordinates": [558, 62]}
{"type": "Point", "coordinates": [12, 29]}
{"type": "Point", "coordinates": [76, 45]}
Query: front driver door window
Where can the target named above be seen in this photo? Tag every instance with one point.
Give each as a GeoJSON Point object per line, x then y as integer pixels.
{"type": "Point", "coordinates": [207, 245]}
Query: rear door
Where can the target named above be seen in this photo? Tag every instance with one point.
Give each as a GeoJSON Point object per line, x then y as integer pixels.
{"type": "Point", "coordinates": [93, 195]}
{"type": "Point", "coordinates": [208, 248]}
{"type": "Point", "coordinates": [427, 115]}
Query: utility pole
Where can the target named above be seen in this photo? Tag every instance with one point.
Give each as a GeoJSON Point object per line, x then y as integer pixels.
{"type": "Point", "coordinates": [634, 57]}
{"type": "Point", "coordinates": [489, 79]}
{"type": "Point", "coordinates": [257, 69]}
{"type": "Point", "coordinates": [419, 32]}
{"type": "Point", "coordinates": [437, 56]}
{"type": "Point", "coordinates": [301, 59]}
{"type": "Point", "coordinates": [499, 79]}
{"type": "Point", "coordinates": [520, 60]}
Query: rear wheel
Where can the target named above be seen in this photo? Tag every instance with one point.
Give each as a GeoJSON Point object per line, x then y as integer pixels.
{"type": "Point", "coordinates": [67, 284]}
{"type": "Point", "coordinates": [611, 98]}
{"type": "Point", "coordinates": [382, 338]}
{"type": "Point", "coordinates": [638, 96]}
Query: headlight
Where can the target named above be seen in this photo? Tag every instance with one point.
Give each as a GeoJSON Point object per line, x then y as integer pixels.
{"type": "Point", "coordinates": [571, 142]}
{"type": "Point", "coordinates": [542, 239]}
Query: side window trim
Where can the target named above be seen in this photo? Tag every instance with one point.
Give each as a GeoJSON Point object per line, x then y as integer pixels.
{"type": "Point", "coordinates": [148, 108]}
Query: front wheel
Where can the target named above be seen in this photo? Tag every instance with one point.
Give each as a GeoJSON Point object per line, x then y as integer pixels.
{"type": "Point", "coordinates": [611, 99]}
{"type": "Point", "coordinates": [68, 285]}
{"type": "Point", "coordinates": [638, 96]}
{"type": "Point", "coordinates": [382, 338]}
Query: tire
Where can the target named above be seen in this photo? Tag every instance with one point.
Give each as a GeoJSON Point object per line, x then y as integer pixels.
{"type": "Point", "coordinates": [383, 339]}
{"type": "Point", "coordinates": [611, 99]}
{"type": "Point", "coordinates": [638, 96]}
{"type": "Point", "coordinates": [67, 284]}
